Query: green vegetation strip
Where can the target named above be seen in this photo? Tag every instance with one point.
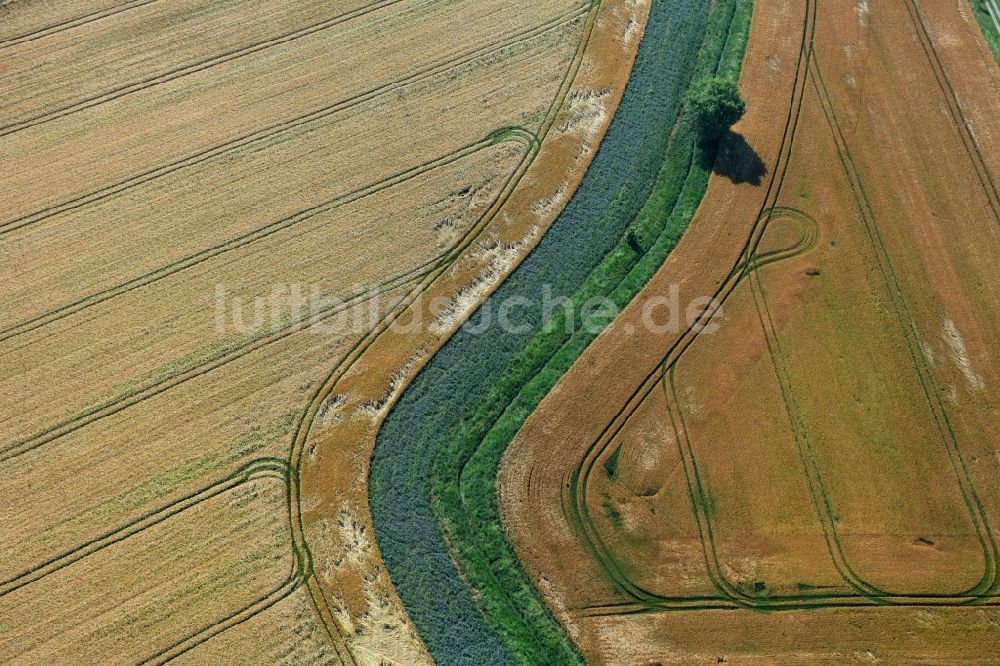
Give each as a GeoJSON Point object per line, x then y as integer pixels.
{"type": "Point", "coordinates": [990, 25]}
{"type": "Point", "coordinates": [466, 455]}
{"type": "Point", "coordinates": [471, 453]}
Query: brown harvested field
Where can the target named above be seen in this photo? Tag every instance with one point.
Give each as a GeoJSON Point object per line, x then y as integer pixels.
{"type": "Point", "coordinates": [833, 448]}
{"type": "Point", "coordinates": [173, 171]}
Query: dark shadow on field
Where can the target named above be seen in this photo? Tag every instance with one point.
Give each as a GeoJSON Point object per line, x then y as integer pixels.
{"type": "Point", "coordinates": [735, 159]}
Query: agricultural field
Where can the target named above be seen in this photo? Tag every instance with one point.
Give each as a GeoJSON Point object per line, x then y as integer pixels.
{"type": "Point", "coordinates": [438, 450]}
{"type": "Point", "coordinates": [256, 408]}
{"type": "Point", "coordinates": [820, 441]}
{"type": "Point", "coordinates": [212, 213]}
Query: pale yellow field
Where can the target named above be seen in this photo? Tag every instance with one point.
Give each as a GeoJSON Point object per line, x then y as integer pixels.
{"type": "Point", "coordinates": [158, 154]}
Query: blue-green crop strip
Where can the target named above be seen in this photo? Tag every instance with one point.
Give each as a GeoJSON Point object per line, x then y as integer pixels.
{"type": "Point", "coordinates": [431, 486]}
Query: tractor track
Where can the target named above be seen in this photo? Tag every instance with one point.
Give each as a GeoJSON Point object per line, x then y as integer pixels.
{"type": "Point", "coordinates": [575, 505]}
{"type": "Point", "coordinates": [328, 386]}
{"type": "Point", "coordinates": [577, 511]}
{"type": "Point", "coordinates": [259, 234]}
{"type": "Point", "coordinates": [261, 468]}
{"type": "Point", "coordinates": [302, 573]}
{"type": "Point", "coordinates": [458, 480]}
{"type": "Point", "coordinates": [137, 396]}
{"type": "Point", "coordinates": [276, 129]}
{"type": "Point", "coordinates": [254, 608]}
{"type": "Point", "coordinates": [73, 23]}
{"type": "Point", "coordinates": [950, 98]}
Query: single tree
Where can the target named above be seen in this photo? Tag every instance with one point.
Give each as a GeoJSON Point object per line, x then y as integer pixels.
{"type": "Point", "coordinates": [716, 105]}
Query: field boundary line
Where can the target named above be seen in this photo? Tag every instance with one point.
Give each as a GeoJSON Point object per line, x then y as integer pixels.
{"type": "Point", "coordinates": [305, 422]}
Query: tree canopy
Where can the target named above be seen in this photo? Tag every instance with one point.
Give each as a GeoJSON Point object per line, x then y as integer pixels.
{"type": "Point", "coordinates": [716, 105]}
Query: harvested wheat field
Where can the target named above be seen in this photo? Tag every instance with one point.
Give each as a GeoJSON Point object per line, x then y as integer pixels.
{"type": "Point", "coordinates": [828, 449]}
{"type": "Point", "coordinates": [256, 409]}
{"type": "Point", "coordinates": [211, 214]}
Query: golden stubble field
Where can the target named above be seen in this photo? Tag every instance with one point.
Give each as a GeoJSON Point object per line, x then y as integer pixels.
{"type": "Point", "coordinates": [830, 455]}
{"type": "Point", "coordinates": [210, 213]}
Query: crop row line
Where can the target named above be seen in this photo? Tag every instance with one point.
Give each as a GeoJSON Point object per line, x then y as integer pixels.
{"type": "Point", "coordinates": [706, 535]}
{"type": "Point", "coordinates": [696, 491]}
{"type": "Point", "coordinates": [261, 468]}
{"type": "Point", "coordinates": [300, 546]}
{"type": "Point", "coordinates": [162, 513]}
{"type": "Point", "coordinates": [575, 503]}
{"type": "Point", "coordinates": [264, 467]}
{"type": "Point", "coordinates": [73, 23]}
{"type": "Point", "coordinates": [304, 425]}
{"type": "Point", "coordinates": [190, 68]}
{"type": "Point", "coordinates": [730, 595]}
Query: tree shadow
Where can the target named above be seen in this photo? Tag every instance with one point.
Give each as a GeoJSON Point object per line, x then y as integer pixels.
{"type": "Point", "coordinates": [735, 159]}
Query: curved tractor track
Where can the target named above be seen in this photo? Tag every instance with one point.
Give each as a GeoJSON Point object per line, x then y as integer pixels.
{"type": "Point", "coordinates": [97, 412]}
{"type": "Point", "coordinates": [263, 135]}
{"type": "Point", "coordinates": [73, 23]}
{"type": "Point", "coordinates": [576, 504]}
{"type": "Point", "coordinates": [416, 434]}
{"type": "Point", "coordinates": [272, 468]}
{"type": "Point", "coordinates": [331, 385]}
{"type": "Point", "coordinates": [418, 280]}
{"type": "Point", "coordinates": [288, 471]}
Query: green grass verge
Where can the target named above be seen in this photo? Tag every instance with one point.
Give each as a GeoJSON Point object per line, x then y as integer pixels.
{"type": "Point", "coordinates": [463, 482]}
